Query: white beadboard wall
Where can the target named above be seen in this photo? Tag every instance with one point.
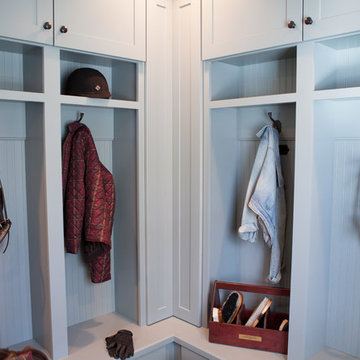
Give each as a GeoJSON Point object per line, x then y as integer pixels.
{"type": "Point", "coordinates": [16, 155]}
{"type": "Point", "coordinates": [11, 71]}
{"type": "Point", "coordinates": [344, 271]}
{"type": "Point", "coordinates": [15, 324]}
{"type": "Point", "coordinates": [268, 73]}
{"type": "Point", "coordinates": [120, 75]}
{"type": "Point", "coordinates": [86, 300]}
{"type": "Point", "coordinates": [341, 68]}
{"type": "Point", "coordinates": [114, 133]}
{"type": "Point", "coordinates": [234, 147]}
{"type": "Point", "coordinates": [21, 67]}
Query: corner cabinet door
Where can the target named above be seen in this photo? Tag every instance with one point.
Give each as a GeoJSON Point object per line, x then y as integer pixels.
{"type": "Point", "coordinates": [25, 20]}
{"type": "Point", "coordinates": [112, 27]}
{"type": "Point", "coordinates": [330, 17]}
{"type": "Point", "coordinates": [236, 26]}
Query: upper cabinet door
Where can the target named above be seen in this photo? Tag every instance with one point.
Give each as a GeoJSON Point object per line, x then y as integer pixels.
{"type": "Point", "coordinates": [330, 17]}
{"type": "Point", "coordinates": [27, 20]}
{"type": "Point", "coordinates": [110, 27]}
{"type": "Point", "coordinates": [236, 26]}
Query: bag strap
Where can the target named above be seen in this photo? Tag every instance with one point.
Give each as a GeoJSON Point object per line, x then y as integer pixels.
{"type": "Point", "coordinates": [3, 208]}
{"type": "Point", "coordinates": [3, 199]}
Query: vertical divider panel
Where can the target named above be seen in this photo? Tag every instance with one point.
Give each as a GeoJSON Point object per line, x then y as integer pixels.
{"type": "Point", "coordinates": [55, 337]}
{"type": "Point", "coordinates": [206, 193]}
{"type": "Point", "coordinates": [141, 196]}
{"type": "Point", "coordinates": [187, 160]}
{"type": "Point", "coordinates": [300, 326]}
{"type": "Point", "coordinates": [159, 227]}
{"type": "Point", "coordinates": [125, 240]}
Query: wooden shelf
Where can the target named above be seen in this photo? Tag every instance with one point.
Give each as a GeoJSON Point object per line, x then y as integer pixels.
{"type": "Point", "coordinates": [337, 94]}
{"type": "Point", "coordinates": [13, 95]}
{"type": "Point", "coordinates": [253, 101]}
{"type": "Point", "coordinates": [108, 103]}
{"type": "Point", "coordinates": [149, 338]}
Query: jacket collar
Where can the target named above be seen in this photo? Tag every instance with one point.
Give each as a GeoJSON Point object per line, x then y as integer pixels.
{"type": "Point", "coordinates": [74, 126]}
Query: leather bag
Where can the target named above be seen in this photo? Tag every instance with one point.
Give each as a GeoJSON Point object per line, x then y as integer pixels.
{"type": "Point", "coordinates": [5, 223]}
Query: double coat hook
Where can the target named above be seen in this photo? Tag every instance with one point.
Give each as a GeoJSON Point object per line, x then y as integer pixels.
{"type": "Point", "coordinates": [283, 149]}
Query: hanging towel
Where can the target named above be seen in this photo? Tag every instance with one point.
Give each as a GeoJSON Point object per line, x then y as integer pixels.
{"type": "Point", "coordinates": [89, 201]}
{"type": "Point", "coordinates": [264, 207]}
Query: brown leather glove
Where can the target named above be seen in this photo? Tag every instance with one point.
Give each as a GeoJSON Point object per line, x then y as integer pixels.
{"type": "Point", "coordinates": [120, 345]}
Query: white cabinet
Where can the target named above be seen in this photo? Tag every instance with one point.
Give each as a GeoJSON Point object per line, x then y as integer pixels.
{"type": "Point", "coordinates": [24, 19]}
{"type": "Point", "coordinates": [108, 27]}
{"type": "Point", "coordinates": [233, 26]}
{"type": "Point", "coordinates": [330, 17]}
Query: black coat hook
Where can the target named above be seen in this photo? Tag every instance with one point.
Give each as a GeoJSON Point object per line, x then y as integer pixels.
{"type": "Point", "coordinates": [283, 149]}
{"type": "Point", "coordinates": [276, 123]}
{"type": "Point", "coordinates": [81, 117]}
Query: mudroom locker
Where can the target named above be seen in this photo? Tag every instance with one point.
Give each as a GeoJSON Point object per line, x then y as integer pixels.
{"type": "Point", "coordinates": [192, 83]}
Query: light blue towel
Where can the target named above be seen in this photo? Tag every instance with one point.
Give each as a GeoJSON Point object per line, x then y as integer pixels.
{"type": "Point", "coordinates": [265, 207]}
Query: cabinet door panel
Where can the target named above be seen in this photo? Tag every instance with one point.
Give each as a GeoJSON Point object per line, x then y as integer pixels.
{"type": "Point", "coordinates": [331, 17]}
{"type": "Point", "coordinates": [233, 26]}
{"type": "Point", "coordinates": [109, 27]}
{"type": "Point", "coordinates": [24, 19]}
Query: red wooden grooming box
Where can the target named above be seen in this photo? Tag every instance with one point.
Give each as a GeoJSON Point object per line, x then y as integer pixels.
{"type": "Point", "coordinates": [267, 337]}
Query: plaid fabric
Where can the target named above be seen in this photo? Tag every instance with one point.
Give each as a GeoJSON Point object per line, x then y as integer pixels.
{"type": "Point", "coordinates": [89, 201]}
{"type": "Point", "coordinates": [18, 355]}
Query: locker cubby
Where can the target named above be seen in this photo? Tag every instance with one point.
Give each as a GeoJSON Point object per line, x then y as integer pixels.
{"type": "Point", "coordinates": [21, 67]}
{"type": "Point", "coordinates": [115, 135]}
{"type": "Point", "coordinates": [233, 147]}
{"type": "Point", "coordinates": [333, 304]}
{"type": "Point", "coordinates": [120, 75]}
{"type": "Point", "coordinates": [266, 73]}
{"type": "Point", "coordinates": [24, 284]}
{"type": "Point", "coordinates": [337, 63]}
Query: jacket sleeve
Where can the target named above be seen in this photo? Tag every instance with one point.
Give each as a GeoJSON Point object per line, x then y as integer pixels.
{"type": "Point", "coordinates": [74, 207]}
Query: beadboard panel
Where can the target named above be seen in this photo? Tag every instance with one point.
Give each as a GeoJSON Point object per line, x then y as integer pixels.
{"type": "Point", "coordinates": [11, 71]}
{"type": "Point", "coordinates": [86, 300]}
{"type": "Point", "coordinates": [344, 271]}
{"type": "Point", "coordinates": [120, 75]}
{"type": "Point", "coordinates": [15, 324]}
{"type": "Point", "coordinates": [158, 158]}
{"type": "Point", "coordinates": [234, 147]}
{"type": "Point", "coordinates": [125, 235]}
{"type": "Point", "coordinates": [20, 67]}
{"type": "Point", "coordinates": [114, 132]}
{"type": "Point", "coordinates": [341, 69]}
{"type": "Point", "coordinates": [268, 73]}
{"type": "Point", "coordinates": [187, 141]}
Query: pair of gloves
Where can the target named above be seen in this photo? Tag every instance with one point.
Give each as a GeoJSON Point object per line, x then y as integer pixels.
{"type": "Point", "coordinates": [120, 345]}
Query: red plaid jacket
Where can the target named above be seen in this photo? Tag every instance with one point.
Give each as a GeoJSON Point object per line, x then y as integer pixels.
{"type": "Point", "coordinates": [89, 201]}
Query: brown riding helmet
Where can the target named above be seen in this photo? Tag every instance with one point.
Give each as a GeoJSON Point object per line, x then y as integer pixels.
{"type": "Point", "coordinates": [87, 82]}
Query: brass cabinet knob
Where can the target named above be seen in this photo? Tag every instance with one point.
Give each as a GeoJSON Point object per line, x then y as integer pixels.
{"type": "Point", "coordinates": [308, 20]}
{"type": "Point", "coordinates": [63, 29]}
{"type": "Point", "coordinates": [47, 25]}
{"type": "Point", "coordinates": [291, 24]}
